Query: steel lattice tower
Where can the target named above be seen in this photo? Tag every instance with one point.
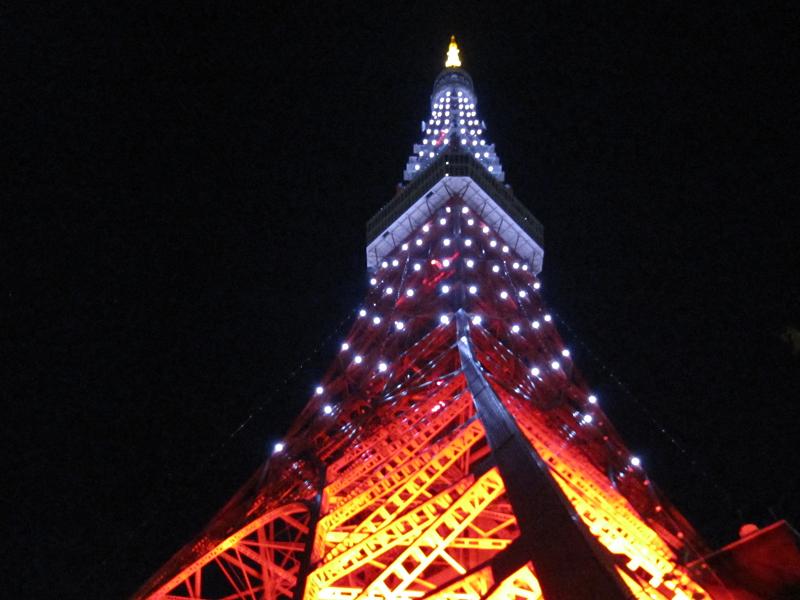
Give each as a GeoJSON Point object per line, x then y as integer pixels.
{"type": "Point", "coordinates": [452, 451]}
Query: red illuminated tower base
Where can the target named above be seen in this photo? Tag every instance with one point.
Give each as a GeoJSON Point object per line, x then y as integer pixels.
{"type": "Point", "coordinates": [452, 451]}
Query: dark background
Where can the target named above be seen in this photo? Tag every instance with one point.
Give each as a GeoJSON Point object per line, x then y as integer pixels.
{"type": "Point", "coordinates": [186, 189]}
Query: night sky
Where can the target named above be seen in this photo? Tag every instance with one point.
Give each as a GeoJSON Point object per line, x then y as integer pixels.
{"type": "Point", "coordinates": [186, 188]}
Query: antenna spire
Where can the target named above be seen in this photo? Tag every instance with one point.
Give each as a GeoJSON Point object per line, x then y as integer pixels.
{"type": "Point", "coordinates": [452, 54]}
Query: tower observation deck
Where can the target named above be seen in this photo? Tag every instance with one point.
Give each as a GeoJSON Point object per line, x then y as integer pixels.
{"type": "Point", "coordinates": [452, 451]}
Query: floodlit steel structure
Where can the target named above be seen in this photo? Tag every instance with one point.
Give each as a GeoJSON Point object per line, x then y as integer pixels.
{"type": "Point", "coordinates": [452, 451]}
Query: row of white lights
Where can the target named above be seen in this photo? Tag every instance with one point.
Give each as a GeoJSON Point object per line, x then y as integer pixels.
{"type": "Point", "coordinates": [447, 141]}
{"type": "Point", "coordinates": [586, 419]}
{"type": "Point", "coordinates": [467, 242]}
{"type": "Point", "coordinates": [382, 367]}
{"type": "Point", "coordinates": [473, 289]}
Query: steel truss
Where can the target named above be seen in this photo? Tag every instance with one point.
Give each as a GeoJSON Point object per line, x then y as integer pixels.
{"type": "Point", "coordinates": [395, 483]}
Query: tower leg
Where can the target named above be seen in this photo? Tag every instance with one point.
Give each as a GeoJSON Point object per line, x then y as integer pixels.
{"type": "Point", "coordinates": [552, 537]}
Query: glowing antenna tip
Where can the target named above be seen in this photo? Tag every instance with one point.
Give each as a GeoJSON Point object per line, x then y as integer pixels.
{"type": "Point", "coordinates": [452, 54]}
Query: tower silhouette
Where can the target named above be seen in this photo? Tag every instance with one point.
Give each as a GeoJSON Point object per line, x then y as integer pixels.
{"type": "Point", "coordinates": [452, 451]}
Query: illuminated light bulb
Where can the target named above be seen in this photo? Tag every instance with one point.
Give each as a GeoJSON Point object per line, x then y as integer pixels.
{"type": "Point", "coordinates": [477, 154]}
{"type": "Point", "coordinates": [565, 352]}
{"type": "Point", "coordinates": [425, 141]}
{"type": "Point", "coordinates": [417, 266]}
{"type": "Point", "coordinates": [318, 390]}
{"type": "Point", "coordinates": [404, 246]}
{"type": "Point", "coordinates": [409, 293]}
{"type": "Point", "coordinates": [446, 262]}
{"type": "Point", "coordinates": [493, 243]}
{"type": "Point", "coordinates": [399, 325]}
{"type": "Point", "coordinates": [373, 281]}
{"type": "Point", "coordinates": [447, 209]}
{"type": "Point", "coordinates": [376, 320]}
{"type": "Point", "coordinates": [345, 347]}
{"type": "Point", "coordinates": [446, 141]}
{"type": "Point", "coordinates": [525, 267]}
{"type": "Point", "coordinates": [384, 264]}
{"type": "Point", "coordinates": [418, 242]}
{"type": "Point", "coordinates": [548, 318]}
{"type": "Point", "coordinates": [636, 461]}
{"type": "Point", "coordinates": [486, 155]}
{"type": "Point", "coordinates": [491, 169]}
{"type": "Point", "coordinates": [464, 210]}
{"type": "Point", "coordinates": [279, 447]}
{"type": "Point", "coordinates": [515, 328]}
{"type": "Point", "coordinates": [475, 143]}
{"type": "Point", "coordinates": [446, 241]}
{"type": "Point", "coordinates": [431, 155]}
{"type": "Point", "coordinates": [426, 228]}
{"type": "Point", "coordinates": [485, 229]}
{"type": "Point", "coordinates": [476, 320]}
{"type": "Point", "coordinates": [505, 249]}
{"type": "Point", "coordinates": [327, 409]}
{"type": "Point", "coordinates": [496, 269]}
{"type": "Point", "coordinates": [382, 366]}
{"type": "Point", "coordinates": [395, 262]}
{"type": "Point", "coordinates": [470, 263]}
{"type": "Point", "coordinates": [587, 418]}
{"type": "Point", "coordinates": [592, 399]}
{"type": "Point", "coordinates": [537, 285]}
{"type": "Point", "coordinates": [416, 167]}
{"type": "Point", "coordinates": [470, 222]}
{"type": "Point", "coordinates": [515, 265]}
{"type": "Point", "coordinates": [535, 371]}
{"type": "Point", "coordinates": [445, 289]}
{"type": "Point", "coordinates": [468, 242]}
{"type": "Point", "coordinates": [504, 295]}
{"type": "Point", "coordinates": [444, 319]}
{"type": "Point", "coordinates": [442, 221]}
{"type": "Point", "coordinates": [464, 141]}
{"type": "Point", "coordinates": [357, 359]}
{"type": "Point", "coordinates": [389, 290]}
{"type": "Point", "coordinates": [522, 293]}
{"type": "Point", "coordinates": [473, 289]}
{"type": "Point", "coordinates": [362, 313]}
{"type": "Point", "coordinates": [535, 324]}
{"type": "Point", "coordinates": [555, 365]}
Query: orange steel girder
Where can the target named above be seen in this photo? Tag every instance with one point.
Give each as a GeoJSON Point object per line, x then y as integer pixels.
{"type": "Point", "coordinates": [260, 560]}
{"type": "Point", "coordinates": [397, 493]}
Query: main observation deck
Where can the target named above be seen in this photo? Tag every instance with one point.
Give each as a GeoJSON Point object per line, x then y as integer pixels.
{"type": "Point", "coordinates": [455, 172]}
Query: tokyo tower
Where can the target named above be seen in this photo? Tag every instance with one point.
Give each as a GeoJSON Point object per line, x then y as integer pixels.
{"type": "Point", "coordinates": [452, 451]}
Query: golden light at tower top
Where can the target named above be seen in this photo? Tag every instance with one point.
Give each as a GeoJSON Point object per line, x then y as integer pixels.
{"type": "Point", "coordinates": [452, 54]}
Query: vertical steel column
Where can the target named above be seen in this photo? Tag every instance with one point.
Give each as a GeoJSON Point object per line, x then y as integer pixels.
{"type": "Point", "coordinates": [316, 507]}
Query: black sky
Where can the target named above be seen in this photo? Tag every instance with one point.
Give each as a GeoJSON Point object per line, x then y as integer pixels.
{"type": "Point", "coordinates": [186, 189]}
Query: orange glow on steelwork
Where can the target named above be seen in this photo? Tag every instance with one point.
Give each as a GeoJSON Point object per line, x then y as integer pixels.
{"type": "Point", "coordinates": [408, 475]}
{"type": "Point", "coordinates": [406, 515]}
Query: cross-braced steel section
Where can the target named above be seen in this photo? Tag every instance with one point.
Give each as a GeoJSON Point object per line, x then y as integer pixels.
{"type": "Point", "coordinates": [451, 452]}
